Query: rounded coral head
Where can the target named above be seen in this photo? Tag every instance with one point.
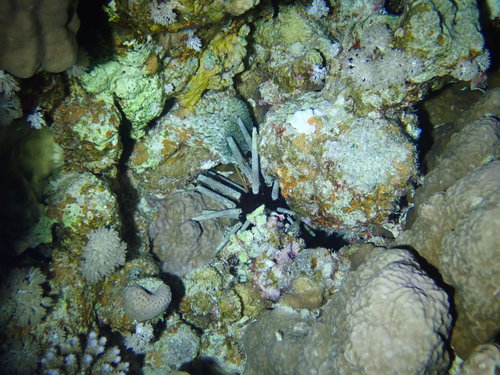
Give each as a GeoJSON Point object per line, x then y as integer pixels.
{"type": "Point", "coordinates": [146, 298]}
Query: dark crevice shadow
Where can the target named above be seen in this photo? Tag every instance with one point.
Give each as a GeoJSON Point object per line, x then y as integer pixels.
{"type": "Point", "coordinates": [127, 196]}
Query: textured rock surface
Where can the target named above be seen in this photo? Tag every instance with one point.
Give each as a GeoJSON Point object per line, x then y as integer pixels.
{"type": "Point", "coordinates": [87, 128]}
{"type": "Point", "coordinates": [180, 243]}
{"type": "Point", "coordinates": [451, 111]}
{"type": "Point", "coordinates": [389, 318]}
{"type": "Point", "coordinates": [274, 342]}
{"type": "Point", "coordinates": [339, 169]}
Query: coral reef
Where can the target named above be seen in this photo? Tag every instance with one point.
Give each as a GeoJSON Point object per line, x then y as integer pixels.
{"type": "Point", "coordinates": [66, 355]}
{"type": "Point", "coordinates": [484, 360]}
{"type": "Point", "coordinates": [21, 356]}
{"type": "Point", "coordinates": [348, 182]}
{"type": "Point", "coordinates": [22, 298]}
{"type": "Point", "coordinates": [479, 140]}
{"type": "Point", "coordinates": [139, 91]}
{"type": "Point", "coordinates": [456, 231]}
{"type": "Point", "coordinates": [274, 343]}
{"type": "Point", "coordinates": [214, 187]}
{"type": "Point", "coordinates": [181, 243]}
{"type": "Point", "coordinates": [453, 225]}
{"type": "Point", "coordinates": [139, 340]}
{"type": "Point", "coordinates": [177, 345]}
{"type": "Point", "coordinates": [110, 306]}
{"type": "Point", "coordinates": [30, 157]}
{"type": "Point", "coordinates": [177, 149]}
{"type": "Point", "coordinates": [81, 200]}
{"type": "Point", "coordinates": [10, 106]}
{"type": "Point", "coordinates": [87, 127]}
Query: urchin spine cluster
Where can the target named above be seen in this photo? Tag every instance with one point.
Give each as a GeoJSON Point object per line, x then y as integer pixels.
{"type": "Point", "coordinates": [228, 193]}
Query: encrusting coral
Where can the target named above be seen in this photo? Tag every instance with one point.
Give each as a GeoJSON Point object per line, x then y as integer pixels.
{"type": "Point", "coordinates": [329, 162]}
{"type": "Point", "coordinates": [164, 111]}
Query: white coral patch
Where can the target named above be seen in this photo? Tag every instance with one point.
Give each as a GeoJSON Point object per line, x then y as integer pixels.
{"type": "Point", "coordinates": [305, 121]}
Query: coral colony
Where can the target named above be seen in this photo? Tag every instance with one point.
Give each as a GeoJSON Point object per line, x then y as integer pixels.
{"type": "Point", "coordinates": [237, 187]}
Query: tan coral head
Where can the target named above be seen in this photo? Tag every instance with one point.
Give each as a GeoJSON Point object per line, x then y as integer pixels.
{"type": "Point", "coordinates": [146, 298]}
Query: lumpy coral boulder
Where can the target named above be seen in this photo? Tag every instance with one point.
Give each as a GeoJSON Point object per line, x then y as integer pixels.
{"type": "Point", "coordinates": [390, 317]}
{"type": "Point", "coordinates": [341, 170]}
{"type": "Point", "coordinates": [457, 231]}
{"type": "Point", "coordinates": [455, 224]}
{"type": "Point", "coordinates": [38, 34]}
{"type": "Point", "coordinates": [181, 243]}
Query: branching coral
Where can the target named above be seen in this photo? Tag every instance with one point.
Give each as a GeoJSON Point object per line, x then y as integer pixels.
{"type": "Point", "coordinates": [67, 355]}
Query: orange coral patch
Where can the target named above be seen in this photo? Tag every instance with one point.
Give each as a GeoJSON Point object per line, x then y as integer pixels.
{"type": "Point", "coordinates": [140, 154]}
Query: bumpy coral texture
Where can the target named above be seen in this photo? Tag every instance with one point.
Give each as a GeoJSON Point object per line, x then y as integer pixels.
{"type": "Point", "coordinates": [38, 34]}
{"type": "Point", "coordinates": [146, 298]}
{"type": "Point", "coordinates": [180, 243]}
{"type": "Point", "coordinates": [485, 360]}
{"type": "Point", "coordinates": [389, 318]}
{"type": "Point", "coordinates": [103, 253]}
{"type": "Point", "coordinates": [457, 231]}
{"type": "Point", "coordinates": [178, 344]}
{"type": "Point", "coordinates": [478, 141]}
{"type": "Point", "coordinates": [346, 171]}
{"type": "Point", "coordinates": [21, 298]}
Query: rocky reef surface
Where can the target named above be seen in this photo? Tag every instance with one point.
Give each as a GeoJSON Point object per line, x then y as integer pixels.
{"type": "Point", "coordinates": [249, 187]}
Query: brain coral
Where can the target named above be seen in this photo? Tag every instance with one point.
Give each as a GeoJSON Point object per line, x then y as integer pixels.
{"type": "Point", "coordinates": [146, 298]}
